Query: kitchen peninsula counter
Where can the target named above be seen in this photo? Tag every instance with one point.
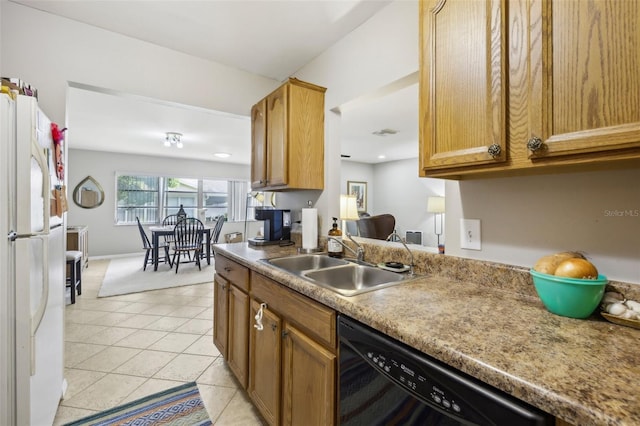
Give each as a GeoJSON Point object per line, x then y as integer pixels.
{"type": "Point", "coordinates": [493, 327]}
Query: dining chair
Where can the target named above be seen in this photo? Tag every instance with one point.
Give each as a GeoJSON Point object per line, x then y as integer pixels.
{"type": "Point", "coordinates": [215, 235]}
{"type": "Point", "coordinates": [217, 230]}
{"type": "Point", "coordinates": [170, 220]}
{"type": "Point", "coordinates": [148, 246]}
{"type": "Point", "coordinates": [378, 226]}
{"type": "Point", "coordinates": [187, 236]}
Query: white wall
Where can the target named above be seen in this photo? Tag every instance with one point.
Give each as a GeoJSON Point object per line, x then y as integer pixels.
{"type": "Point", "coordinates": [524, 218]}
{"type": "Point", "coordinates": [49, 51]}
{"type": "Point", "coordinates": [105, 238]}
{"type": "Point", "coordinates": [398, 190]}
{"type": "Point", "coordinates": [359, 172]}
{"type": "Point", "coordinates": [380, 51]}
{"type": "Point", "coordinates": [394, 187]}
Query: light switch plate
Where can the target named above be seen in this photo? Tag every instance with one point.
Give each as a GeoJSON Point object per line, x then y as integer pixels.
{"type": "Point", "coordinates": [470, 237]}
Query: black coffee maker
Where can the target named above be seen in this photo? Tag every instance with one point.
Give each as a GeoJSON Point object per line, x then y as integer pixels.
{"type": "Point", "coordinates": [277, 226]}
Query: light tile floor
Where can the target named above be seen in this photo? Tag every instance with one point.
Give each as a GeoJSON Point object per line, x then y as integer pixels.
{"type": "Point", "coordinates": [122, 348]}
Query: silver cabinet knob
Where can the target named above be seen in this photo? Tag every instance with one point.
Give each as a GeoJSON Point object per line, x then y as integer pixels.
{"type": "Point", "coordinates": [534, 144]}
{"type": "Point", "coordinates": [494, 150]}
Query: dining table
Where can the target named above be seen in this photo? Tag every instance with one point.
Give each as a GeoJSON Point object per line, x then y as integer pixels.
{"type": "Point", "coordinates": [163, 231]}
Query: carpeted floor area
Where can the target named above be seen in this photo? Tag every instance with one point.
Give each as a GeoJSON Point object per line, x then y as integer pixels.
{"type": "Point", "coordinates": [125, 276]}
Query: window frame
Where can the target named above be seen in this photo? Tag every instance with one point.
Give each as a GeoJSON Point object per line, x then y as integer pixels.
{"type": "Point", "coordinates": [161, 208]}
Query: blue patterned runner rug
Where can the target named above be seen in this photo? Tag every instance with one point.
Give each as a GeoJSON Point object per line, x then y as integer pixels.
{"type": "Point", "coordinates": [179, 406]}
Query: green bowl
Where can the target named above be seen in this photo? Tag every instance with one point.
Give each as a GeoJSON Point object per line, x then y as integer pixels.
{"type": "Point", "coordinates": [569, 297]}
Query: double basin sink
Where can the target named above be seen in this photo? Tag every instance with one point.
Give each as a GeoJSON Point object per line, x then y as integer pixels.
{"type": "Point", "coordinates": [345, 277]}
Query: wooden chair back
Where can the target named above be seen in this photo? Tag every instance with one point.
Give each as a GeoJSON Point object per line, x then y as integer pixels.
{"type": "Point", "coordinates": [146, 244]}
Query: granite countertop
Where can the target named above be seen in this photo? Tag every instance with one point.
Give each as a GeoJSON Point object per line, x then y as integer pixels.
{"type": "Point", "coordinates": [586, 372]}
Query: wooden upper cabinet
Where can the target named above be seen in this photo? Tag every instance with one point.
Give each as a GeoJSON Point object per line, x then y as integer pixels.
{"type": "Point", "coordinates": [462, 83]}
{"type": "Point", "coordinates": [259, 144]}
{"type": "Point", "coordinates": [563, 94]}
{"type": "Point", "coordinates": [585, 64]}
{"type": "Point", "coordinates": [288, 138]}
{"type": "Point", "coordinates": [277, 170]}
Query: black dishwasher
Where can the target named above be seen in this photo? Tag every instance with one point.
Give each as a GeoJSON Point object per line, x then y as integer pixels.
{"type": "Point", "coordinates": [385, 382]}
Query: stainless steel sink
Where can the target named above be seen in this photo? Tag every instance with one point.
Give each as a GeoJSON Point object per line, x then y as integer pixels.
{"type": "Point", "coordinates": [354, 279]}
{"type": "Point", "coordinates": [297, 264]}
{"type": "Point", "coordinates": [339, 275]}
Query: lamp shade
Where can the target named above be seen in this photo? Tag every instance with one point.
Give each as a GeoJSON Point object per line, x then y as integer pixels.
{"type": "Point", "coordinates": [435, 205]}
{"type": "Point", "coordinates": [348, 207]}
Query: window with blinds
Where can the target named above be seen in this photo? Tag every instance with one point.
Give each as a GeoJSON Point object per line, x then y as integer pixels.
{"type": "Point", "coordinates": [152, 198]}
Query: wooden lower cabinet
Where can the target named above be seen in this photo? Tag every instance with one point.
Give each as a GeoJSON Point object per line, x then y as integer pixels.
{"type": "Point", "coordinates": [220, 314]}
{"type": "Point", "coordinates": [308, 391]}
{"type": "Point", "coordinates": [231, 315]}
{"type": "Point", "coordinates": [238, 355]}
{"type": "Point", "coordinates": [264, 370]}
{"type": "Point", "coordinates": [292, 360]}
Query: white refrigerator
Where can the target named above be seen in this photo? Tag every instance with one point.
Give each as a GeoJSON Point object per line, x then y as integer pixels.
{"type": "Point", "coordinates": [32, 264]}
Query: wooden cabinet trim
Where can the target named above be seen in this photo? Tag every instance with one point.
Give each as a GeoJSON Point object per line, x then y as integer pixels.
{"type": "Point", "coordinates": [233, 271]}
{"type": "Point", "coordinates": [315, 319]}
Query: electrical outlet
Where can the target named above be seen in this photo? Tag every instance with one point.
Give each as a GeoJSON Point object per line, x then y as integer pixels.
{"type": "Point", "coordinates": [470, 237]}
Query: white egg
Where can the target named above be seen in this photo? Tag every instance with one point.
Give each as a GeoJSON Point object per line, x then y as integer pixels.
{"type": "Point", "coordinates": [616, 309]}
{"type": "Point", "coordinates": [632, 304]}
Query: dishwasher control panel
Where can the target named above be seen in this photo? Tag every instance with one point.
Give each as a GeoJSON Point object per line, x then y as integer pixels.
{"type": "Point", "coordinates": [411, 377]}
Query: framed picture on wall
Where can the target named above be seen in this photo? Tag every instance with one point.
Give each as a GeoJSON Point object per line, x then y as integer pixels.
{"type": "Point", "coordinates": [359, 189]}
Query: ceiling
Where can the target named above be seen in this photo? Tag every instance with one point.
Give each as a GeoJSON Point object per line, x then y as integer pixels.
{"type": "Point", "coordinates": [119, 122]}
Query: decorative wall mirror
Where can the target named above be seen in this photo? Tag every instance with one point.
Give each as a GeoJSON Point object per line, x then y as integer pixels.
{"type": "Point", "coordinates": [88, 194]}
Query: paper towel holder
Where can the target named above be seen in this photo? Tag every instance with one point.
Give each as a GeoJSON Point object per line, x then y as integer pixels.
{"type": "Point", "coordinates": [309, 250]}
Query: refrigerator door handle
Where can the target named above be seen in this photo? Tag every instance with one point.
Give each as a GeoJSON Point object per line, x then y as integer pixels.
{"type": "Point", "coordinates": [38, 155]}
{"type": "Point", "coordinates": [36, 319]}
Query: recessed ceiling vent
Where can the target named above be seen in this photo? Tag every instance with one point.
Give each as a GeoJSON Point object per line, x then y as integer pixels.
{"type": "Point", "coordinates": [384, 132]}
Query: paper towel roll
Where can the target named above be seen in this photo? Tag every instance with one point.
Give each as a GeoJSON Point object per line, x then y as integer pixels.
{"type": "Point", "coordinates": [309, 228]}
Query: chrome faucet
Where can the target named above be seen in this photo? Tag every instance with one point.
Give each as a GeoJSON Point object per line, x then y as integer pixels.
{"type": "Point", "coordinates": [411, 266]}
{"type": "Point", "coordinates": [359, 252]}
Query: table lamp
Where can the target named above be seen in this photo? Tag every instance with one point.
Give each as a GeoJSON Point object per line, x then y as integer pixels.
{"type": "Point", "coordinates": [436, 205]}
{"type": "Point", "coordinates": [348, 209]}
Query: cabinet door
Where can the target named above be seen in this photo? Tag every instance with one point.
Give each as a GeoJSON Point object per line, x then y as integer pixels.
{"type": "Point", "coordinates": [259, 144]}
{"type": "Point", "coordinates": [277, 137]}
{"type": "Point", "coordinates": [585, 60]}
{"type": "Point", "coordinates": [220, 313]}
{"type": "Point", "coordinates": [309, 381]}
{"type": "Point", "coordinates": [238, 346]}
{"type": "Point", "coordinates": [462, 83]}
{"type": "Point", "coordinates": [264, 364]}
